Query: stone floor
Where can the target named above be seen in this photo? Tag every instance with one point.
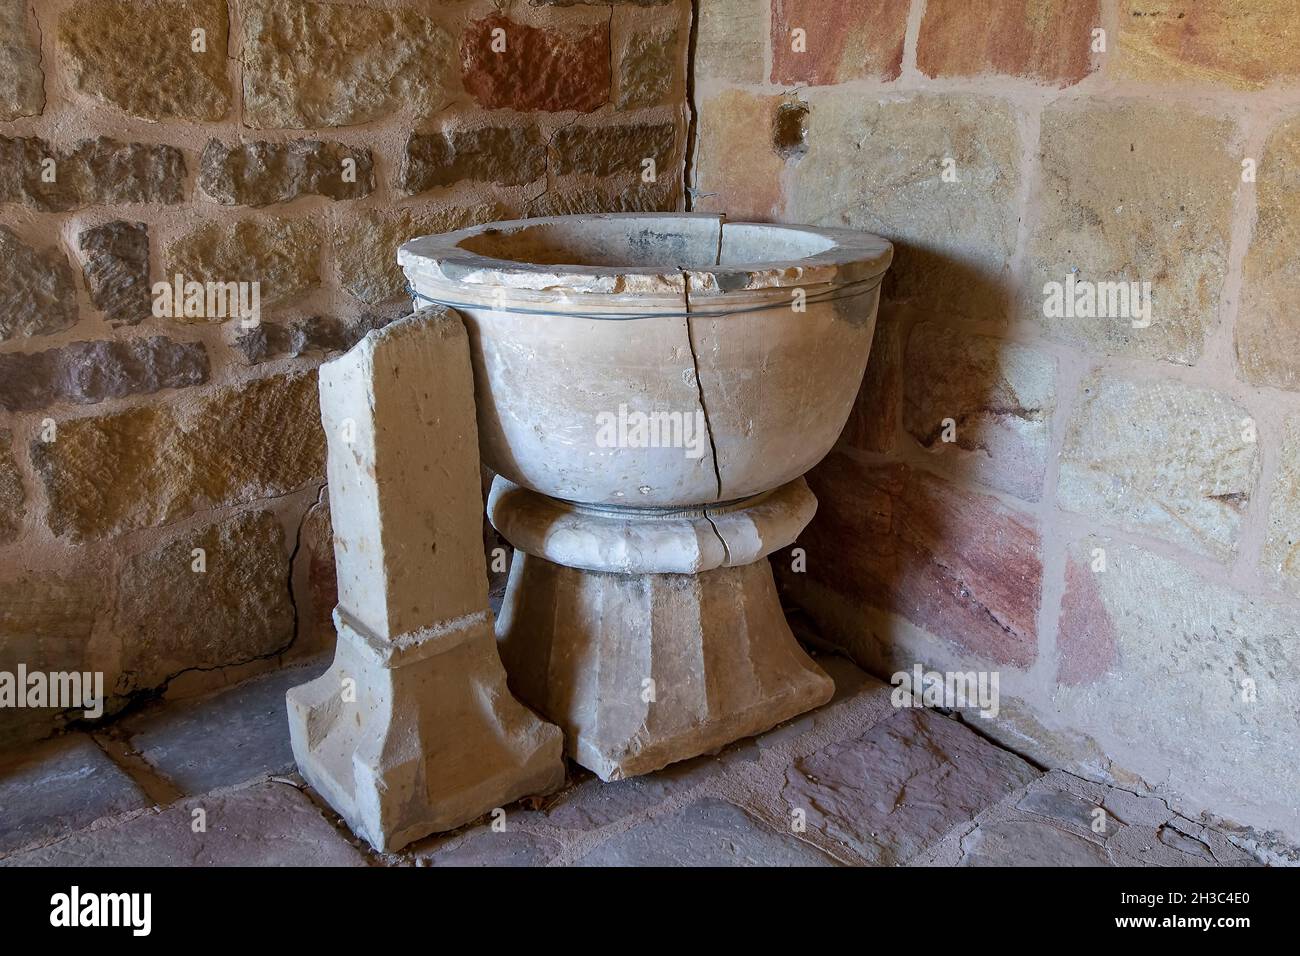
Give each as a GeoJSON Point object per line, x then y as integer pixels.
{"type": "Point", "coordinates": [858, 782]}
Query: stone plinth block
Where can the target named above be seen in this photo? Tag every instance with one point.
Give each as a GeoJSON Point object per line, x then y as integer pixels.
{"type": "Point", "coordinates": [412, 730]}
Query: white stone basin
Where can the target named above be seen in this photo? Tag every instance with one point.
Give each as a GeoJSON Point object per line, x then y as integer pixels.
{"type": "Point", "coordinates": [579, 325]}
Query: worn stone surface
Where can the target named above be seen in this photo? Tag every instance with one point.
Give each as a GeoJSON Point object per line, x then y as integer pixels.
{"type": "Point", "coordinates": [739, 170]}
{"type": "Point", "coordinates": [316, 590]}
{"type": "Point", "coordinates": [92, 171]}
{"type": "Point", "coordinates": [647, 71]}
{"type": "Point", "coordinates": [264, 824]}
{"type": "Point", "coordinates": [1201, 696]}
{"type": "Point", "coordinates": [38, 294]}
{"type": "Point", "coordinates": [874, 419]}
{"type": "Point", "coordinates": [1281, 557]}
{"type": "Point", "coordinates": [660, 196]}
{"type": "Point", "coordinates": [365, 244]}
{"type": "Point", "coordinates": [388, 760]}
{"type": "Point", "coordinates": [225, 739]}
{"type": "Point", "coordinates": [952, 240]}
{"type": "Point", "coordinates": [22, 84]}
{"type": "Point", "coordinates": [115, 262]}
{"type": "Point", "coordinates": [317, 333]}
{"type": "Point", "coordinates": [59, 787]}
{"type": "Point", "coordinates": [1172, 460]}
{"type": "Point", "coordinates": [487, 847]}
{"type": "Point", "coordinates": [96, 37]}
{"type": "Point", "coordinates": [594, 803]}
{"type": "Point", "coordinates": [309, 65]}
{"type": "Point", "coordinates": [83, 373]}
{"type": "Point", "coordinates": [731, 41]}
{"type": "Point", "coordinates": [887, 798]}
{"type": "Point", "coordinates": [882, 538]}
{"type": "Point", "coordinates": [541, 68]}
{"type": "Point", "coordinates": [1136, 191]}
{"type": "Point", "coordinates": [981, 404]}
{"type": "Point", "coordinates": [261, 173]}
{"type": "Point", "coordinates": [710, 832]}
{"type": "Point", "coordinates": [1049, 42]}
{"type": "Point", "coordinates": [1086, 640]}
{"type": "Point", "coordinates": [1225, 43]}
{"type": "Point", "coordinates": [280, 254]}
{"type": "Point", "coordinates": [259, 439]}
{"type": "Point", "coordinates": [1026, 842]}
{"type": "Point", "coordinates": [45, 621]}
{"type": "Point", "coordinates": [505, 155]}
{"type": "Point", "coordinates": [845, 40]}
{"type": "Point", "coordinates": [170, 618]}
{"type": "Point", "coordinates": [11, 490]}
{"type": "Point", "coordinates": [606, 150]}
{"type": "Point", "coordinates": [1268, 332]}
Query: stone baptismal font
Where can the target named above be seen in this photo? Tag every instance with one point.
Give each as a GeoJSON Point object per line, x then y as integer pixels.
{"type": "Point", "coordinates": [649, 390]}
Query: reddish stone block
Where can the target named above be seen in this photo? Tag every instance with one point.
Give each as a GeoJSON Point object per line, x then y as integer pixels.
{"type": "Point", "coordinates": [874, 417]}
{"type": "Point", "coordinates": [1085, 640]}
{"type": "Point", "coordinates": [538, 69]}
{"type": "Point", "coordinates": [1045, 40]}
{"type": "Point", "coordinates": [842, 40]}
{"type": "Point", "coordinates": [957, 564]}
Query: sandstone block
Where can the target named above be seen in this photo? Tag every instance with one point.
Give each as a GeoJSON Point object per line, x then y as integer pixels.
{"type": "Point", "coordinates": [171, 618]}
{"type": "Point", "coordinates": [648, 70]}
{"type": "Point", "coordinates": [1159, 457]}
{"type": "Point", "coordinates": [431, 738]}
{"type": "Point", "coordinates": [1134, 192]}
{"type": "Point", "coordinates": [365, 244]}
{"type": "Point", "coordinates": [38, 294]}
{"type": "Point", "coordinates": [92, 172]}
{"type": "Point", "coordinates": [264, 824]}
{"type": "Point", "coordinates": [952, 240]}
{"type": "Point", "coordinates": [606, 150]}
{"type": "Point", "coordinates": [882, 539]}
{"type": "Point", "coordinates": [99, 38]}
{"type": "Point", "coordinates": [11, 490]}
{"type": "Point", "coordinates": [709, 832]}
{"type": "Point", "coordinates": [115, 262]}
{"type": "Point", "coordinates": [22, 83]}
{"type": "Point", "coordinates": [1049, 42]}
{"type": "Point", "coordinates": [309, 65]}
{"type": "Point", "coordinates": [1220, 43]}
{"type": "Point", "coordinates": [540, 68]}
{"type": "Point", "coordinates": [231, 445]}
{"type": "Point", "coordinates": [661, 196]}
{"type": "Point", "coordinates": [842, 40]}
{"type": "Point", "coordinates": [1268, 333]}
{"type": "Point", "coordinates": [505, 155]}
{"type": "Point", "coordinates": [1201, 692]}
{"type": "Point", "coordinates": [888, 798]}
{"type": "Point", "coordinates": [1281, 557]}
{"type": "Point", "coordinates": [260, 173]}
{"type": "Point", "coordinates": [280, 254]}
{"type": "Point", "coordinates": [875, 416]}
{"type": "Point", "coordinates": [731, 41]}
{"type": "Point", "coordinates": [981, 404]}
{"type": "Point", "coordinates": [739, 168]}
{"type": "Point", "coordinates": [83, 373]}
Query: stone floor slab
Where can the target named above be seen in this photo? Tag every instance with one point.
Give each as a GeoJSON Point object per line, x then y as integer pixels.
{"type": "Point", "coordinates": [709, 832]}
{"type": "Point", "coordinates": [487, 847]}
{"type": "Point", "coordinates": [263, 824]}
{"type": "Point", "coordinates": [225, 738]}
{"type": "Point", "coordinates": [901, 786]}
{"type": "Point", "coordinates": [60, 786]}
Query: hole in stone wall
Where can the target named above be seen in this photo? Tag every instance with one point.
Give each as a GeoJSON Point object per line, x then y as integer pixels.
{"type": "Point", "coordinates": [790, 130]}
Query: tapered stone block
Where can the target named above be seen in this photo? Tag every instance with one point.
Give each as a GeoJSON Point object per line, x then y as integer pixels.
{"type": "Point", "coordinates": [412, 730]}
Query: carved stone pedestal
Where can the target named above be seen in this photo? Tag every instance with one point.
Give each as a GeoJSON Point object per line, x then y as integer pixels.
{"type": "Point", "coordinates": [652, 637]}
{"type": "Point", "coordinates": [412, 730]}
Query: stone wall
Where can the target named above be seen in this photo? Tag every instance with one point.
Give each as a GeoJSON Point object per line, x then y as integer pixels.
{"type": "Point", "coordinates": [1104, 511]}
{"type": "Point", "coordinates": [296, 145]}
